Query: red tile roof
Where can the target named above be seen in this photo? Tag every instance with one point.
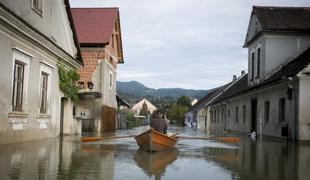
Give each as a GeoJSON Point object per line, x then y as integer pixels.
{"type": "Point", "coordinates": [94, 25]}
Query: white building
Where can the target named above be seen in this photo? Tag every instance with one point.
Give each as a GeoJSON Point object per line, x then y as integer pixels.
{"type": "Point", "coordinates": [138, 106]}
{"type": "Point", "coordinates": [273, 99]}
{"type": "Point", "coordinates": [34, 35]}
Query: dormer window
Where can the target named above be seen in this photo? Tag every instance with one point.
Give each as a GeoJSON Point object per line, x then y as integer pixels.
{"type": "Point", "coordinates": [37, 6]}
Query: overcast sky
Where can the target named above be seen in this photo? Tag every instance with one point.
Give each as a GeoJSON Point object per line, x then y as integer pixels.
{"type": "Point", "coordinates": [193, 44]}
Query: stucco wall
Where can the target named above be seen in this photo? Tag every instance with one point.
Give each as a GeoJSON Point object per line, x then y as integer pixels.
{"type": "Point", "coordinates": [275, 50]}
{"type": "Point", "coordinates": [29, 124]}
{"type": "Point", "coordinates": [109, 91]}
{"type": "Point", "coordinates": [304, 107]}
{"type": "Point", "coordinates": [138, 106]}
{"type": "Point", "coordinates": [271, 94]}
{"type": "Point", "coordinates": [30, 120]}
{"type": "Point", "coordinates": [53, 17]}
{"type": "Point", "coordinates": [202, 116]}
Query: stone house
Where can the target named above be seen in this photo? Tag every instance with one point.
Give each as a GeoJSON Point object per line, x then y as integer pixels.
{"type": "Point", "coordinates": [99, 36]}
{"type": "Point", "coordinates": [34, 35]}
{"type": "Point", "coordinates": [273, 98]}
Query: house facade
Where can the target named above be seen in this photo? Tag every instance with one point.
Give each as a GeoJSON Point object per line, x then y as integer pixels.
{"type": "Point", "coordinates": [99, 36]}
{"type": "Point", "coordinates": [34, 35]}
{"type": "Point", "coordinates": [139, 105]}
{"type": "Point", "coordinates": [273, 98]}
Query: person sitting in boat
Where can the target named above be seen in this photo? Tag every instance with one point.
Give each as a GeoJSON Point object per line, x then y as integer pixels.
{"type": "Point", "coordinates": [158, 123]}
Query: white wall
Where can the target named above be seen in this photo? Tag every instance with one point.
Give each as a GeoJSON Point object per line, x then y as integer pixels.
{"type": "Point", "coordinates": [304, 104]}
{"type": "Point", "coordinates": [275, 51]}
{"type": "Point", "coordinates": [53, 17]}
{"type": "Point", "coordinates": [137, 107]}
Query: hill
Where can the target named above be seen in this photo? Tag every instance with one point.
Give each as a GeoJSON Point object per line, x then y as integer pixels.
{"type": "Point", "coordinates": [133, 91]}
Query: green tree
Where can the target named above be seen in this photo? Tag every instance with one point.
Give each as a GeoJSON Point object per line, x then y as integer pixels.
{"type": "Point", "coordinates": [184, 101]}
{"type": "Point", "coordinates": [177, 113]}
{"type": "Point", "coordinates": [144, 111]}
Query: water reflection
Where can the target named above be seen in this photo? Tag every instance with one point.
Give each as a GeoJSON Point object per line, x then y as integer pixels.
{"type": "Point", "coordinates": [155, 163]}
{"type": "Point", "coordinates": [68, 158]}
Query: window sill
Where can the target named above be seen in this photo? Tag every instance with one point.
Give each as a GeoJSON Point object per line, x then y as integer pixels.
{"type": "Point", "coordinates": [18, 114]}
{"type": "Point", "coordinates": [42, 115]}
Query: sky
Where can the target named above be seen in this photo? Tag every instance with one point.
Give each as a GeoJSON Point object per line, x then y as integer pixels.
{"type": "Point", "coordinates": [192, 44]}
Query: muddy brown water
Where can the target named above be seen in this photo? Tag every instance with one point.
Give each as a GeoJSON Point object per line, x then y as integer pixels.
{"type": "Point", "coordinates": [192, 159]}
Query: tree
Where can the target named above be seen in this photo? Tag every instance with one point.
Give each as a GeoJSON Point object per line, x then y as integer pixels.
{"type": "Point", "coordinates": [184, 101]}
{"type": "Point", "coordinates": [144, 111]}
{"type": "Point", "coordinates": [177, 113]}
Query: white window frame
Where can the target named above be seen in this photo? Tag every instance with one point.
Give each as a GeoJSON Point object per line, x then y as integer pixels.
{"type": "Point", "coordinates": [38, 9]}
{"type": "Point", "coordinates": [259, 46]}
{"type": "Point", "coordinates": [252, 63]}
{"type": "Point", "coordinates": [25, 58]}
{"type": "Point", "coordinates": [47, 69]}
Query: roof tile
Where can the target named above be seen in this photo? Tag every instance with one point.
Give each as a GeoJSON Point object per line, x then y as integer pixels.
{"type": "Point", "coordinates": [94, 25]}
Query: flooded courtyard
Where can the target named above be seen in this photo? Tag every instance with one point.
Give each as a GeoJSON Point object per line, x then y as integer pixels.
{"type": "Point", "coordinates": [121, 158]}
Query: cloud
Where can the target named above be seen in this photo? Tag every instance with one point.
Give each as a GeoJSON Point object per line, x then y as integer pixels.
{"type": "Point", "coordinates": [181, 43]}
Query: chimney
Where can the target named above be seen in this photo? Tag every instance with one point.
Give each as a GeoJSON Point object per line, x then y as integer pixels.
{"type": "Point", "coordinates": [242, 73]}
{"type": "Point", "coordinates": [234, 77]}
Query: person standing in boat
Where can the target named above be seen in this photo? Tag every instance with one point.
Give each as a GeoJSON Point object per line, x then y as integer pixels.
{"type": "Point", "coordinates": [158, 123]}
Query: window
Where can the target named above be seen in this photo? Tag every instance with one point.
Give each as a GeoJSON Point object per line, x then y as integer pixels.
{"type": "Point", "coordinates": [236, 114]}
{"type": "Point", "coordinates": [218, 115]}
{"type": "Point", "coordinates": [214, 116]}
{"type": "Point", "coordinates": [252, 65]}
{"type": "Point", "coordinates": [258, 62]}
{"type": "Point", "coordinates": [211, 116]}
{"type": "Point", "coordinates": [266, 111]}
{"type": "Point", "coordinates": [223, 115]}
{"type": "Point", "coordinates": [244, 113]}
{"type": "Point", "coordinates": [37, 6]}
{"type": "Point", "coordinates": [44, 83]}
{"type": "Point", "coordinates": [18, 85]}
{"type": "Point", "coordinates": [282, 110]}
{"type": "Point", "coordinates": [228, 112]}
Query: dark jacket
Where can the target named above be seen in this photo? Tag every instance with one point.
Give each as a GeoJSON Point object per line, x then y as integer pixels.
{"type": "Point", "coordinates": [159, 125]}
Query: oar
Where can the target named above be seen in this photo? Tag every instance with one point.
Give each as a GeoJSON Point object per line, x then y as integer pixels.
{"type": "Point", "coordinates": [223, 139]}
{"type": "Point", "coordinates": [91, 139]}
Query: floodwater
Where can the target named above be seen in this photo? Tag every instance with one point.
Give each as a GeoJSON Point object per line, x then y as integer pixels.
{"type": "Point", "coordinates": [121, 159]}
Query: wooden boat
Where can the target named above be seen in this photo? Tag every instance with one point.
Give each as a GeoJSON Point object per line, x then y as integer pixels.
{"type": "Point", "coordinates": [152, 140]}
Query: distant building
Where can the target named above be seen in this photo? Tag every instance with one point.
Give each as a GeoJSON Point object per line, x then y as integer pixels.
{"type": "Point", "coordinates": [138, 107]}
{"type": "Point", "coordinates": [99, 36]}
{"type": "Point", "coordinates": [273, 99]}
{"type": "Point", "coordinates": [33, 37]}
{"type": "Point", "coordinates": [194, 101]}
{"type": "Point", "coordinates": [122, 104]}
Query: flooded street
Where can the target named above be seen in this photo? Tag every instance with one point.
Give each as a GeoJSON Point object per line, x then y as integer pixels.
{"type": "Point", "coordinates": [121, 159]}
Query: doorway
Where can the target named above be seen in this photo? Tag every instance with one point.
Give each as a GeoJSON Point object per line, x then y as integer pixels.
{"type": "Point", "coordinates": [254, 115]}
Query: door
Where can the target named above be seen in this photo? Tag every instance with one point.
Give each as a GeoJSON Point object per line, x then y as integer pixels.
{"type": "Point", "coordinates": [254, 115]}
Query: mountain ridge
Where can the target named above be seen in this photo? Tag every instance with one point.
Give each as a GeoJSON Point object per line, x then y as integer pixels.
{"type": "Point", "coordinates": [134, 90]}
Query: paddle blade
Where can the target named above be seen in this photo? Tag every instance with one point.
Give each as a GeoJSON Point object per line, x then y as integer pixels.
{"type": "Point", "coordinates": [90, 139]}
{"type": "Point", "coordinates": [228, 139]}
